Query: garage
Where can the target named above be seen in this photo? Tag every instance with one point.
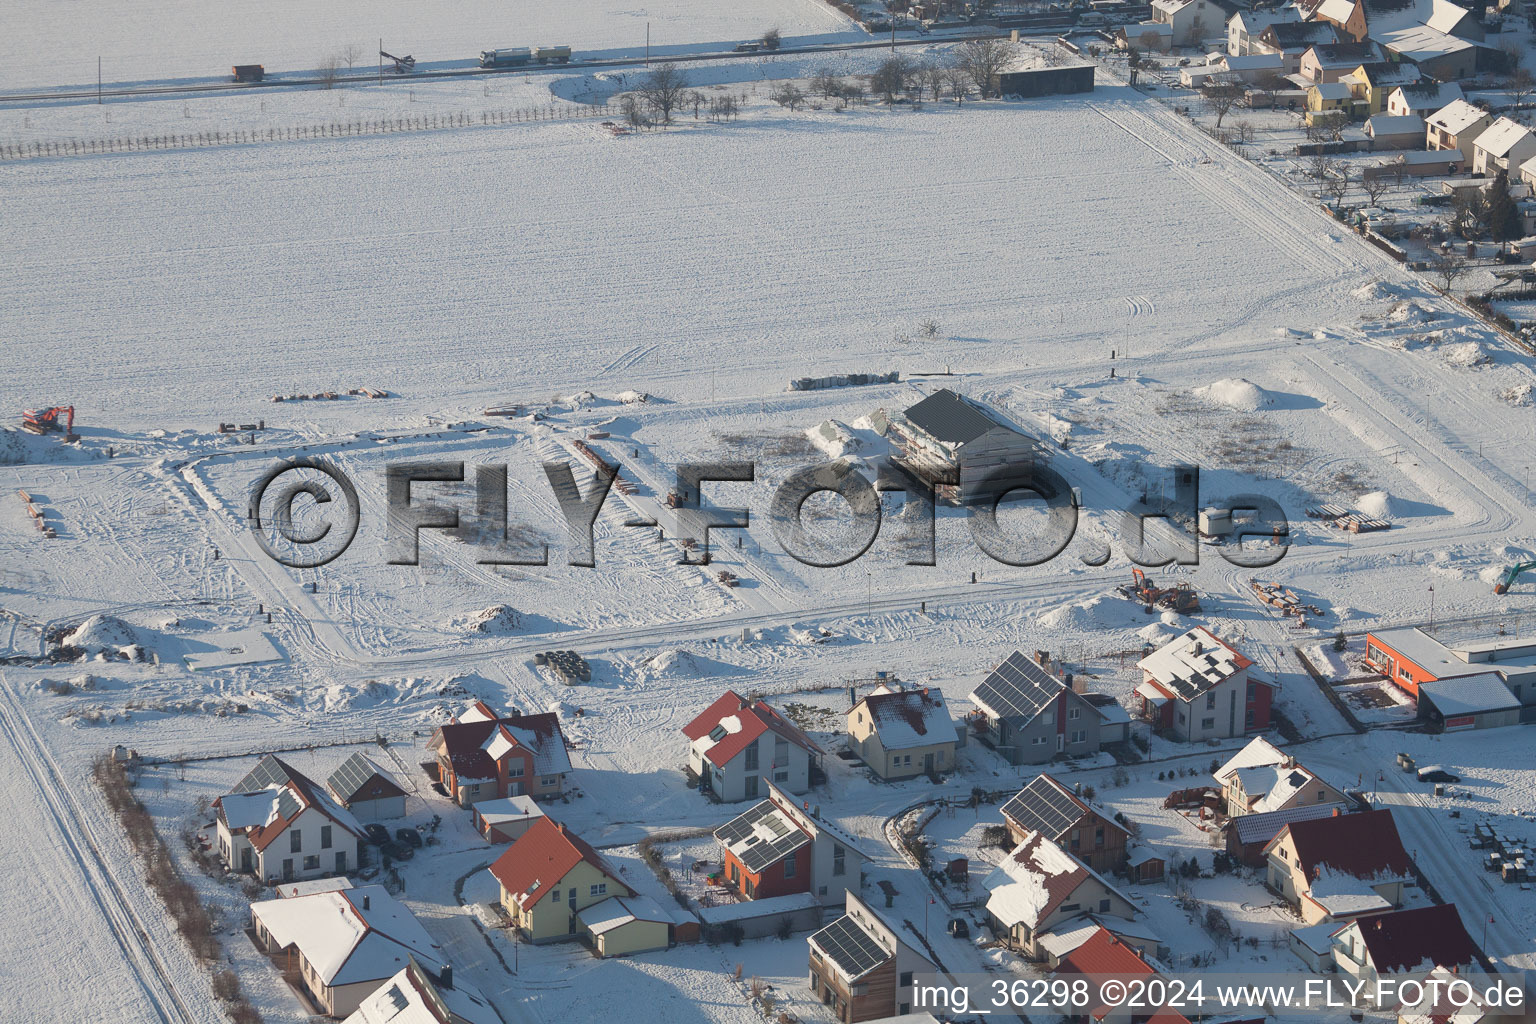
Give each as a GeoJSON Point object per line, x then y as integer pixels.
{"type": "Point", "coordinates": [626, 924]}
{"type": "Point", "coordinates": [365, 789]}
{"type": "Point", "coordinates": [1481, 701]}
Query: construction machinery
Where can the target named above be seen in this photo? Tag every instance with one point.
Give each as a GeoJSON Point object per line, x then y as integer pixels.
{"type": "Point", "coordinates": [46, 421]}
{"type": "Point", "coordinates": [1180, 597]}
{"type": "Point", "coordinates": [1511, 574]}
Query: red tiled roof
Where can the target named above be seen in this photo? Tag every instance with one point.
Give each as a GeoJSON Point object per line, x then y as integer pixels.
{"type": "Point", "coordinates": [308, 794]}
{"type": "Point", "coordinates": [541, 857]}
{"type": "Point", "coordinates": [1364, 845]}
{"type": "Point", "coordinates": [464, 742]}
{"type": "Point", "coordinates": [1403, 940]}
{"type": "Point", "coordinates": [756, 718]}
{"type": "Point", "coordinates": [1103, 953]}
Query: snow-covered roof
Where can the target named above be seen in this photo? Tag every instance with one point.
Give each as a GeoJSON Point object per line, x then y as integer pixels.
{"type": "Point", "coordinates": [1317, 937]}
{"type": "Point", "coordinates": [1194, 661]}
{"type": "Point", "coordinates": [352, 936]}
{"type": "Point", "coordinates": [621, 910]}
{"type": "Point", "coordinates": [1154, 696]}
{"type": "Point", "coordinates": [1501, 137]}
{"type": "Point", "coordinates": [413, 997]}
{"type": "Point", "coordinates": [1395, 124]}
{"type": "Point", "coordinates": [1420, 42]}
{"type": "Point", "coordinates": [1254, 22]}
{"type": "Point", "coordinates": [724, 913]}
{"type": "Point", "coordinates": [1470, 695]}
{"type": "Point", "coordinates": [512, 808]}
{"type": "Point", "coordinates": [1453, 118]}
{"type": "Point", "coordinates": [243, 810]}
{"type": "Point", "coordinates": [908, 718]}
{"type": "Point", "coordinates": [1427, 96]}
{"type": "Point", "coordinates": [310, 886]}
{"type": "Point", "coordinates": [1332, 90]}
{"type": "Point", "coordinates": [1034, 879]}
{"type": "Point", "coordinates": [1335, 10]}
{"type": "Point", "coordinates": [1253, 62]}
{"type": "Point", "coordinates": [1259, 751]}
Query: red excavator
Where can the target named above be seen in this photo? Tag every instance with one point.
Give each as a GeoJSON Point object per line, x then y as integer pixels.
{"type": "Point", "coordinates": [46, 421]}
{"type": "Point", "coordinates": [1180, 597]}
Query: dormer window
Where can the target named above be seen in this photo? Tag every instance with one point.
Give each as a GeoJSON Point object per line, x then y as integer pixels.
{"type": "Point", "coordinates": [717, 733]}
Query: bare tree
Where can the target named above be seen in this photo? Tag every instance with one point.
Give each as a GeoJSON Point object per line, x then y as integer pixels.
{"type": "Point", "coordinates": [663, 91]}
{"type": "Point", "coordinates": [851, 93]}
{"type": "Point", "coordinates": [330, 70]}
{"type": "Point", "coordinates": [1376, 186]}
{"type": "Point", "coordinates": [985, 60]}
{"type": "Point", "coordinates": [351, 53]}
{"type": "Point", "coordinates": [1521, 84]}
{"type": "Point", "coordinates": [789, 96]}
{"type": "Point", "coordinates": [1245, 131]}
{"type": "Point", "coordinates": [889, 79]}
{"type": "Point", "coordinates": [1320, 167]}
{"type": "Point", "coordinates": [772, 38]}
{"type": "Point", "coordinates": [1337, 185]}
{"type": "Point", "coordinates": [959, 83]}
{"type": "Point", "coordinates": [1150, 41]}
{"type": "Point", "coordinates": [633, 112]}
{"type": "Point", "coordinates": [934, 76]}
{"type": "Point", "coordinates": [1221, 97]}
{"type": "Point", "coordinates": [1449, 268]}
{"type": "Point", "coordinates": [826, 85]}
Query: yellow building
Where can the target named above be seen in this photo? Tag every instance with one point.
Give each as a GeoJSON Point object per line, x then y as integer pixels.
{"type": "Point", "coordinates": [548, 876]}
{"type": "Point", "coordinates": [900, 733]}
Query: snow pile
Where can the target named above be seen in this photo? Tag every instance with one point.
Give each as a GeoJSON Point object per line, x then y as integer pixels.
{"type": "Point", "coordinates": [496, 620]}
{"type": "Point", "coordinates": [834, 439]}
{"type": "Point", "coordinates": [671, 662]}
{"type": "Point", "coordinates": [1413, 311]}
{"type": "Point", "coordinates": [102, 634]}
{"type": "Point", "coordinates": [632, 397]}
{"type": "Point", "coordinates": [1156, 633]}
{"type": "Point", "coordinates": [1520, 394]}
{"type": "Point", "coordinates": [1102, 612]}
{"type": "Point", "coordinates": [1466, 354]}
{"type": "Point", "coordinates": [1377, 291]}
{"type": "Point", "coordinates": [1378, 504]}
{"type": "Point", "coordinates": [1237, 394]}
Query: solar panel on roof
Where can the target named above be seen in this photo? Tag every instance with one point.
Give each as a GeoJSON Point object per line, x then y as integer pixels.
{"type": "Point", "coordinates": [1042, 807]}
{"type": "Point", "coordinates": [267, 774]}
{"type": "Point", "coordinates": [353, 773]}
{"type": "Point", "coordinates": [1018, 688]}
{"type": "Point", "coordinates": [739, 827]}
{"type": "Point", "coordinates": [850, 947]}
{"type": "Point", "coordinates": [755, 858]}
{"type": "Point", "coordinates": [287, 804]}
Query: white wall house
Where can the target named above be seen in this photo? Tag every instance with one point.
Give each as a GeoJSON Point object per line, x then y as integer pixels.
{"type": "Point", "coordinates": [1503, 146]}
{"type": "Point", "coordinates": [737, 744]}
{"type": "Point", "coordinates": [281, 827]}
{"type": "Point", "coordinates": [1192, 20]}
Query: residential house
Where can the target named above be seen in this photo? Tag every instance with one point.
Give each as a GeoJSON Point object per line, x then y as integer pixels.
{"type": "Point", "coordinates": [1409, 657]}
{"type": "Point", "coordinates": [279, 826]}
{"type": "Point", "coordinates": [414, 997]}
{"type": "Point", "coordinates": [1146, 36]}
{"type": "Point", "coordinates": [901, 733]}
{"type": "Point", "coordinates": [1419, 163]}
{"type": "Point", "coordinates": [1245, 27]}
{"type": "Point", "coordinates": [1404, 131]}
{"type": "Point", "coordinates": [1105, 954]}
{"type": "Point", "coordinates": [341, 946]}
{"type": "Point", "coordinates": [1504, 146]}
{"type": "Point", "coordinates": [1197, 687]}
{"type": "Point", "coordinates": [737, 743]}
{"type": "Point", "coordinates": [863, 967]}
{"type": "Point", "coordinates": [1291, 41]}
{"type": "Point", "coordinates": [1340, 867]}
{"type": "Point", "coordinates": [1057, 943]}
{"type": "Point", "coordinates": [1262, 778]}
{"type": "Point", "coordinates": [1330, 62]}
{"type": "Point", "coordinates": [1192, 21]}
{"type": "Point", "coordinates": [1438, 54]}
{"type": "Point", "coordinates": [1030, 716]}
{"type": "Point", "coordinates": [1251, 68]}
{"type": "Point", "coordinates": [1422, 98]}
{"type": "Point", "coordinates": [1330, 99]}
{"type": "Point", "coordinates": [968, 452]}
{"type": "Point", "coordinates": [1247, 835]}
{"type": "Point", "coordinates": [1038, 886]}
{"type": "Point", "coordinates": [1372, 82]}
{"type": "Point", "coordinates": [484, 756]}
{"type": "Point", "coordinates": [1359, 19]}
{"type": "Point", "coordinates": [1085, 830]}
{"type": "Point", "coordinates": [1444, 1004]}
{"type": "Point", "coordinates": [365, 789]}
{"type": "Point", "coordinates": [1454, 126]}
{"type": "Point", "coordinates": [1403, 941]}
{"type": "Point", "coordinates": [776, 849]}
{"type": "Point", "coordinates": [548, 876]}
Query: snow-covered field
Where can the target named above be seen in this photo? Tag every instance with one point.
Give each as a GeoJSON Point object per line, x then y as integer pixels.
{"type": "Point", "coordinates": [555, 267]}
{"type": "Point", "coordinates": [57, 43]}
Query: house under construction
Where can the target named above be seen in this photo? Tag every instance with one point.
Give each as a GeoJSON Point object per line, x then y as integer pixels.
{"type": "Point", "coordinates": [968, 452]}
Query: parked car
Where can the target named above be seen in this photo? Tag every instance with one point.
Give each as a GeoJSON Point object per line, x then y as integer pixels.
{"type": "Point", "coordinates": [378, 835]}
{"type": "Point", "coordinates": [958, 929]}
{"type": "Point", "coordinates": [397, 851]}
{"type": "Point", "coordinates": [409, 836]}
{"type": "Point", "coordinates": [1435, 773]}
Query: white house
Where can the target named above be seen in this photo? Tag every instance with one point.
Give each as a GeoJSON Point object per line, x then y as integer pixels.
{"type": "Point", "coordinates": [737, 743]}
{"type": "Point", "coordinates": [280, 826]}
{"type": "Point", "coordinates": [413, 997]}
{"type": "Point", "coordinates": [1192, 20]}
{"type": "Point", "coordinates": [344, 945]}
{"type": "Point", "coordinates": [1416, 940]}
{"type": "Point", "coordinates": [1245, 27]}
{"type": "Point", "coordinates": [1038, 886]}
{"type": "Point", "coordinates": [1455, 126]}
{"type": "Point", "coordinates": [1197, 687]}
{"type": "Point", "coordinates": [1262, 778]}
{"type": "Point", "coordinates": [1503, 146]}
{"type": "Point", "coordinates": [1422, 98]}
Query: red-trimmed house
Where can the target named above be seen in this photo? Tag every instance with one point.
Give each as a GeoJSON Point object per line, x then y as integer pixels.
{"type": "Point", "coordinates": [1198, 687]}
{"type": "Point", "coordinates": [776, 848]}
{"type": "Point", "coordinates": [484, 756]}
{"type": "Point", "coordinates": [1404, 941]}
{"type": "Point", "coordinates": [1340, 867]}
{"type": "Point", "coordinates": [737, 743]}
{"type": "Point", "coordinates": [1107, 955]}
{"type": "Point", "coordinates": [280, 826]}
{"type": "Point", "coordinates": [548, 876]}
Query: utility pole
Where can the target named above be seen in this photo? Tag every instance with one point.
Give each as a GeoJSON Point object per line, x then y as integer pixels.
{"type": "Point", "coordinates": [647, 44]}
{"type": "Point", "coordinates": [381, 60]}
{"type": "Point", "coordinates": [98, 81]}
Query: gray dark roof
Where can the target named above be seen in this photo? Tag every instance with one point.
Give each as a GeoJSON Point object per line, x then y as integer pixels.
{"type": "Point", "coordinates": [1018, 688]}
{"type": "Point", "coordinates": [758, 853]}
{"type": "Point", "coordinates": [348, 780]}
{"type": "Point", "coordinates": [951, 418]}
{"type": "Point", "coordinates": [1261, 828]}
{"type": "Point", "coordinates": [1047, 807]}
{"type": "Point", "coordinates": [269, 772]}
{"type": "Point", "coordinates": [850, 947]}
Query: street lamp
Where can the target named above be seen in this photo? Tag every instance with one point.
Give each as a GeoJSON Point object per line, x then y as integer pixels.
{"type": "Point", "coordinates": [1431, 606]}
{"type": "Point", "coordinates": [869, 594]}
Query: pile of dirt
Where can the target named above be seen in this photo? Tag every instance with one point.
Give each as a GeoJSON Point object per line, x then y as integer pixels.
{"type": "Point", "coordinates": [103, 634]}
{"type": "Point", "coordinates": [497, 620]}
{"type": "Point", "coordinates": [1102, 612]}
{"type": "Point", "coordinates": [1520, 394]}
{"type": "Point", "coordinates": [1467, 354]}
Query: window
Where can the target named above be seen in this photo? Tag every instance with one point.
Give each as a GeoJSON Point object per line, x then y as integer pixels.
{"type": "Point", "coordinates": [515, 770]}
{"type": "Point", "coordinates": [839, 859]}
{"type": "Point", "coordinates": [781, 776]}
{"type": "Point", "coordinates": [1253, 690]}
{"type": "Point", "coordinates": [552, 780]}
{"type": "Point", "coordinates": [312, 862]}
{"type": "Point", "coordinates": [1210, 701]}
{"type": "Point", "coordinates": [1207, 723]}
{"type": "Point", "coordinates": [325, 837]}
{"type": "Point", "coordinates": [1098, 836]}
{"type": "Point", "coordinates": [1103, 906]}
{"type": "Point", "coordinates": [1076, 842]}
{"type": "Point", "coordinates": [731, 872]}
{"type": "Point", "coordinates": [1074, 714]}
{"type": "Point", "coordinates": [295, 841]}
{"type": "Point", "coordinates": [752, 758]}
{"type": "Point", "coordinates": [341, 862]}
{"type": "Point", "coordinates": [599, 889]}
{"type": "Point", "coordinates": [717, 733]}
{"type": "Point", "coordinates": [1181, 716]}
{"type": "Point", "coordinates": [554, 896]}
{"type": "Point", "coordinates": [1036, 741]}
{"type": "Point", "coordinates": [905, 979]}
{"type": "Point", "coordinates": [1320, 795]}
{"type": "Point", "coordinates": [780, 750]}
{"type": "Point", "coordinates": [906, 760]}
{"type": "Point", "coordinates": [1065, 907]}
{"type": "Point", "coordinates": [751, 785]}
{"type": "Point", "coordinates": [789, 866]}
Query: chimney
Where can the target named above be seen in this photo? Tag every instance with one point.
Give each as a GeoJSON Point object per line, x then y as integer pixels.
{"type": "Point", "coordinates": [852, 697]}
{"type": "Point", "coordinates": [365, 901]}
{"type": "Point", "coordinates": [445, 980]}
{"type": "Point", "coordinates": [562, 826]}
{"type": "Point", "coordinates": [1199, 647]}
{"type": "Point", "coordinates": [1335, 812]}
{"type": "Point", "coordinates": [1043, 658]}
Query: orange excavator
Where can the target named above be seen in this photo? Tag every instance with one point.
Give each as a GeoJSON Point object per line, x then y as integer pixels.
{"type": "Point", "coordinates": [1180, 597]}
{"type": "Point", "coordinates": [46, 421]}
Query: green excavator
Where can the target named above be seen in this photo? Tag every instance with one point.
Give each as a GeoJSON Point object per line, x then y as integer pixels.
{"type": "Point", "coordinates": [1510, 575]}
